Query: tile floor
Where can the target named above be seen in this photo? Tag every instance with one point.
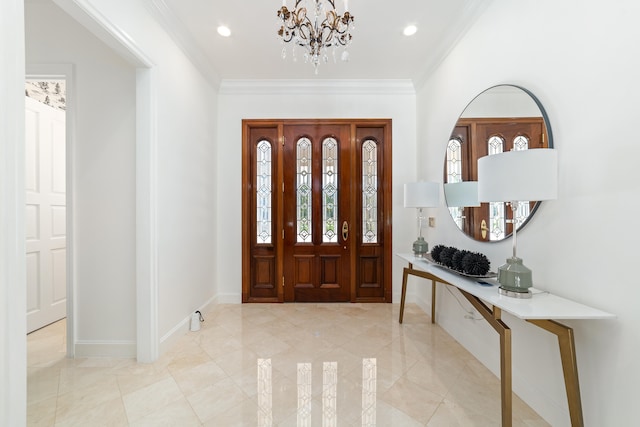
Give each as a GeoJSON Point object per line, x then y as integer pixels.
{"type": "Point", "coordinates": [276, 365]}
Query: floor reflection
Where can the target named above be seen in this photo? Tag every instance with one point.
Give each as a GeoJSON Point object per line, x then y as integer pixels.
{"type": "Point", "coordinates": [329, 393]}
{"type": "Point", "coordinates": [304, 394]}
{"type": "Point", "coordinates": [369, 373]}
{"type": "Point", "coordinates": [265, 407]}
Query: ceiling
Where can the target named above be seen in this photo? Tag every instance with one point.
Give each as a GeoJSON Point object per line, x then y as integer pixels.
{"type": "Point", "coordinates": [379, 50]}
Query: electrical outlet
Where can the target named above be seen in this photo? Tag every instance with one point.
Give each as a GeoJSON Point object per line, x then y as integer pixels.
{"type": "Point", "coordinates": [432, 221]}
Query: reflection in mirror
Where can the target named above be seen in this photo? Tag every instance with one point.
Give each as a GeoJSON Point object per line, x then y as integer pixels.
{"type": "Point", "coordinates": [502, 118]}
{"type": "Point", "coordinates": [460, 195]}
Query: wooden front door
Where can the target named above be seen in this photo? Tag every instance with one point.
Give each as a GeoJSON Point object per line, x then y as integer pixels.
{"type": "Point", "coordinates": [316, 211]}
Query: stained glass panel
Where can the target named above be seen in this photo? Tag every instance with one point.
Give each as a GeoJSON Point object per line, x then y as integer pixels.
{"type": "Point", "coordinates": [329, 190]}
{"type": "Point", "coordinates": [454, 160]}
{"type": "Point", "coordinates": [263, 192]}
{"type": "Point", "coordinates": [495, 145]}
{"type": "Point", "coordinates": [369, 192]}
{"type": "Point", "coordinates": [454, 174]}
{"type": "Point", "coordinates": [497, 220]}
{"type": "Point", "coordinates": [303, 190]}
{"type": "Point", "coordinates": [520, 143]}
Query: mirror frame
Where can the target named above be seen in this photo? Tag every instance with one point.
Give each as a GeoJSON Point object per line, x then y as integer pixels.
{"type": "Point", "coordinates": [550, 144]}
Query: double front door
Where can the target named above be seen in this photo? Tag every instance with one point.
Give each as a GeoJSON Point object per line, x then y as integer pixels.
{"type": "Point", "coordinates": [316, 210]}
{"type": "Point", "coordinates": [474, 138]}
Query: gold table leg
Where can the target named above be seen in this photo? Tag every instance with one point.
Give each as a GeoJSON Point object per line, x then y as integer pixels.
{"type": "Point", "coordinates": [567, 346]}
{"type": "Point", "coordinates": [494, 319]}
{"type": "Point", "coordinates": [410, 271]}
{"type": "Point", "coordinates": [433, 301]}
{"type": "Point", "coordinates": [405, 273]}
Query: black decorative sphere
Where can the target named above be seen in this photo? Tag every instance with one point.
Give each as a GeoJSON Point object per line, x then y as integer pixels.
{"type": "Point", "coordinates": [446, 256]}
{"type": "Point", "coordinates": [456, 260]}
{"type": "Point", "coordinates": [464, 261]}
{"type": "Point", "coordinates": [476, 264]}
{"type": "Point", "coordinates": [436, 251]}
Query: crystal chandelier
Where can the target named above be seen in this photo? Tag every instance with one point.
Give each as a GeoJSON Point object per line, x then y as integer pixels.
{"type": "Point", "coordinates": [315, 30]}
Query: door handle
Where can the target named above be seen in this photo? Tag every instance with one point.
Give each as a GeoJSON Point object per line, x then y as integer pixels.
{"type": "Point", "coordinates": [345, 231]}
{"type": "Point", "coordinates": [484, 229]}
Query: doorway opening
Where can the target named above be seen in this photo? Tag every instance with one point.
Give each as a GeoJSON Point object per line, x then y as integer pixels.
{"type": "Point", "coordinates": [46, 209]}
{"type": "Point", "coordinates": [45, 184]}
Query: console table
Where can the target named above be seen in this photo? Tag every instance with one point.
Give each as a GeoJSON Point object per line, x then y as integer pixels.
{"type": "Point", "coordinates": [542, 310]}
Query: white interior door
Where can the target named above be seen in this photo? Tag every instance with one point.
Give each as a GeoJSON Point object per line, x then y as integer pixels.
{"type": "Point", "coordinates": [45, 144]}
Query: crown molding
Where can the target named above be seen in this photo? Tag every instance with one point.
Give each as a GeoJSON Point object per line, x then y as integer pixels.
{"type": "Point", "coordinates": [316, 87]}
{"type": "Point", "coordinates": [183, 39]}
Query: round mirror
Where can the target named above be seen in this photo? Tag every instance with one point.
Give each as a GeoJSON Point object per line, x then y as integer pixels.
{"type": "Point", "coordinates": [502, 118]}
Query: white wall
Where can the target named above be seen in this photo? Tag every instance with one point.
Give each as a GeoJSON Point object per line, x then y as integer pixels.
{"type": "Point", "coordinates": [577, 58]}
{"type": "Point", "coordinates": [104, 184]}
{"type": "Point", "coordinates": [278, 100]}
{"type": "Point", "coordinates": [13, 351]}
{"type": "Point", "coordinates": [502, 101]}
{"type": "Point", "coordinates": [186, 107]}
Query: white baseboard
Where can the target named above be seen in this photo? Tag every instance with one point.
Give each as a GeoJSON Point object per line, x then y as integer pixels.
{"type": "Point", "coordinates": [170, 338]}
{"type": "Point", "coordinates": [115, 349]}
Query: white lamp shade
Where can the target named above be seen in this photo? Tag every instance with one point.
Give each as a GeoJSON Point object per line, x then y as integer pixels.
{"type": "Point", "coordinates": [421, 194]}
{"type": "Point", "coordinates": [527, 175]}
{"type": "Point", "coordinates": [461, 194]}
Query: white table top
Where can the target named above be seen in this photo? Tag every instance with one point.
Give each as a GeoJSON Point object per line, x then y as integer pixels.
{"type": "Point", "coordinates": [542, 305]}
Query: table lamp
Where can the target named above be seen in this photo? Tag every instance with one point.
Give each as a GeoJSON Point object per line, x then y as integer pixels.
{"type": "Point", "coordinates": [517, 177]}
{"type": "Point", "coordinates": [421, 195]}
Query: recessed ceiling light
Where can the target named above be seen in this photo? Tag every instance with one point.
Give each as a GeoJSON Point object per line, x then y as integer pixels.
{"type": "Point", "coordinates": [410, 30]}
{"type": "Point", "coordinates": [224, 31]}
